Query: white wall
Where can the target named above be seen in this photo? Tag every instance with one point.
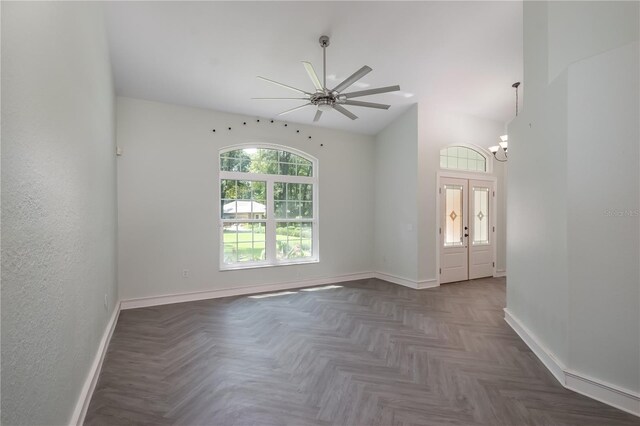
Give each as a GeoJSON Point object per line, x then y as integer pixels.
{"type": "Point", "coordinates": [58, 205]}
{"type": "Point", "coordinates": [603, 211]}
{"type": "Point", "coordinates": [396, 190]}
{"type": "Point", "coordinates": [536, 247]}
{"type": "Point", "coordinates": [573, 267]}
{"type": "Point", "coordinates": [168, 195]}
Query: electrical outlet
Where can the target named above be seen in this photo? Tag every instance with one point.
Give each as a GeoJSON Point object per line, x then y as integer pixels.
{"type": "Point", "coordinates": [106, 302]}
{"type": "Point", "coordinates": [185, 273]}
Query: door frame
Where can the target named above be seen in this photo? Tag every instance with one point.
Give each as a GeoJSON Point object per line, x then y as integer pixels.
{"type": "Point", "coordinates": [469, 176]}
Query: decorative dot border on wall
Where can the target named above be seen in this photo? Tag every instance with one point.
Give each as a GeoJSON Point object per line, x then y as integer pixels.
{"type": "Point", "coordinates": [245, 123]}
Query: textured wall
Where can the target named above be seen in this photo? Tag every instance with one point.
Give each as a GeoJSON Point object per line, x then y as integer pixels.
{"type": "Point", "coordinates": [58, 205]}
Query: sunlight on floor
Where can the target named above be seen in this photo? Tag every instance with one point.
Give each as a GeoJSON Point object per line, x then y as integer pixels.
{"type": "Point", "coordinates": [327, 287]}
{"type": "Point", "coordinates": [263, 296]}
{"type": "Point", "coordinates": [284, 293]}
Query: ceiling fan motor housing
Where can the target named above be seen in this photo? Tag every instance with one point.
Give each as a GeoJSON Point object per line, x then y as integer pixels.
{"type": "Point", "coordinates": [324, 41]}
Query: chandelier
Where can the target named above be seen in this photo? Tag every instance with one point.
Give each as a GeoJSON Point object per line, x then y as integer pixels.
{"type": "Point", "coordinates": [504, 139]}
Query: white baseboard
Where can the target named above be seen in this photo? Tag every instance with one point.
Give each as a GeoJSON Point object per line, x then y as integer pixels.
{"type": "Point", "coordinates": [623, 399]}
{"type": "Point", "coordinates": [416, 285]}
{"type": "Point", "coordinates": [166, 299]}
{"type": "Point", "coordinates": [546, 356]}
{"type": "Point", "coordinates": [80, 411]}
{"type": "Point", "coordinates": [238, 291]}
{"type": "Point", "coordinates": [500, 273]}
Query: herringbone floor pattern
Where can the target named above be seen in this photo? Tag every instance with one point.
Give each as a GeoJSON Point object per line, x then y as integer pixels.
{"type": "Point", "coordinates": [368, 353]}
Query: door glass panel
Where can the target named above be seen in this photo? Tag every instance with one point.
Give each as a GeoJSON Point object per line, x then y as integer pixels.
{"type": "Point", "coordinates": [453, 216]}
{"type": "Point", "coordinates": [480, 216]}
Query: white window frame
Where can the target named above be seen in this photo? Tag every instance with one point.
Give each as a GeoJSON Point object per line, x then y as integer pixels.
{"type": "Point", "coordinates": [485, 153]}
{"type": "Point", "coordinates": [271, 221]}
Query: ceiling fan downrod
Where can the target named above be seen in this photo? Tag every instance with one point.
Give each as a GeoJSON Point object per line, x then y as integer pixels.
{"type": "Point", "coordinates": [324, 43]}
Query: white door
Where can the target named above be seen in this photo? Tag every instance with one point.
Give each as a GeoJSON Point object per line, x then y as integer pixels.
{"type": "Point", "coordinates": [454, 255]}
{"type": "Point", "coordinates": [466, 229]}
{"type": "Point", "coordinates": [480, 229]}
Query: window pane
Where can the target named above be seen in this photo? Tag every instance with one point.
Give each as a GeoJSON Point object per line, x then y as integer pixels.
{"type": "Point", "coordinates": [453, 215]}
{"type": "Point", "coordinates": [304, 167]}
{"type": "Point", "coordinates": [243, 199]}
{"type": "Point", "coordinates": [266, 161]}
{"type": "Point", "coordinates": [279, 191]}
{"type": "Point", "coordinates": [306, 209]}
{"type": "Point", "coordinates": [293, 210]}
{"type": "Point", "coordinates": [281, 209]}
{"type": "Point", "coordinates": [462, 158]}
{"type": "Point", "coordinates": [480, 216]}
{"type": "Point", "coordinates": [294, 240]}
{"type": "Point", "coordinates": [287, 169]}
{"type": "Point", "coordinates": [243, 242]}
{"type": "Point", "coordinates": [299, 200]}
{"type": "Point", "coordinates": [306, 192]}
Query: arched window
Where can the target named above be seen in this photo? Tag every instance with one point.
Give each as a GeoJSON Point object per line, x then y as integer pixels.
{"type": "Point", "coordinates": [462, 158]}
{"type": "Point", "coordinates": [268, 207]}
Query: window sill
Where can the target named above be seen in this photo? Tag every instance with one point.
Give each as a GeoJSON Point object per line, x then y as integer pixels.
{"type": "Point", "coordinates": [227, 268]}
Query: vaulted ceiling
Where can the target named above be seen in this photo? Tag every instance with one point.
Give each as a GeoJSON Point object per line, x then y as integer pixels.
{"type": "Point", "coordinates": [454, 56]}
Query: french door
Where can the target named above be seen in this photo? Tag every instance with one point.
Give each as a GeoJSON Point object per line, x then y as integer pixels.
{"type": "Point", "coordinates": [467, 229]}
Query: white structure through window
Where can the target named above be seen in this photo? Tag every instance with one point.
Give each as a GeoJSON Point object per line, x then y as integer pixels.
{"type": "Point", "coordinates": [268, 206]}
{"type": "Point", "coordinates": [462, 158]}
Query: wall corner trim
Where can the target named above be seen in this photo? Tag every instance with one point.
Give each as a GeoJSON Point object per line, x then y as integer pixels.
{"type": "Point", "coordinates": [622, 399]}
{"type": "Point", "coordinates": [82, 404]}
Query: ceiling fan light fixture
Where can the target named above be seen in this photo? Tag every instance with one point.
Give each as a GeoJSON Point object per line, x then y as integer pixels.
{"type": "Point", "coordinates": [333, 99]}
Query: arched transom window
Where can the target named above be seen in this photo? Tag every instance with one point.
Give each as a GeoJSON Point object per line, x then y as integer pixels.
{"type": "Point", "coordinates": [462, 158]}
{"type": "Point", "coordinates": [268, 207]}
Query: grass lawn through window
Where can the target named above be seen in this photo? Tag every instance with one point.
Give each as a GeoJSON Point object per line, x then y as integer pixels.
{"type": "Point", "coordinates": [246, 246]}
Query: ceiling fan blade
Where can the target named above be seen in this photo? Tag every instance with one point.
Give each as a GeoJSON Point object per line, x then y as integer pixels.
{"type": "Point", "coordinates": [285, 86]}
{"type": "Point", "coordinates": [281, 99]}
{"type": "Point", "coordinates": [345, 111]}
{"type": "Point", "coordinates": [318, 114]}
{"type": "Point", "coordinates": [366, 104]}
{"type": "Point", "coordinates": [312, 75]}
{"type": "Point", "coordinates": [371, 92]}
{"type": "Point", "coordinates": [353, 78]}
{"type": "Point", "coordinates": [294, 109]}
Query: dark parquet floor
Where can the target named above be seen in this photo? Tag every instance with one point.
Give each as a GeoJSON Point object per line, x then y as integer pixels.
{"type": "Point", "coordinates": [366, 353]}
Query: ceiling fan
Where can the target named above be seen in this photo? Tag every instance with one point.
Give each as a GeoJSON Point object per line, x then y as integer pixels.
{"type": "Point", "coordinates": [327, 99]}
